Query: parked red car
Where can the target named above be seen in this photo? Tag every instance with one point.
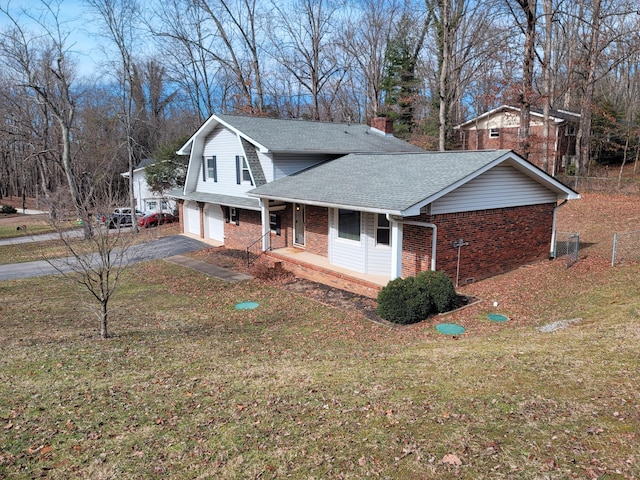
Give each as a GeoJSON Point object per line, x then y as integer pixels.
{"type": "Point", "coordinates": [155, 219]}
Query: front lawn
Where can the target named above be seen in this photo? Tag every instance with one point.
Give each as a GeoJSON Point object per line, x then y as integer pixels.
{"type": "Point", "coordinates": [190, 387]}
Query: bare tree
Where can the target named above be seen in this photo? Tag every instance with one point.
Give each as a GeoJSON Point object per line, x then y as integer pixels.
{"type": "Point", "coordinates": [95, 265]}
{"type": "Point", "coordinates": [119, 18]}
{"type": "Point", "coordinates": [364, 39]}
{"type": "Point", "coordinates": [304, 45]}
{"type": "Point", "coordinates": [528, 28]}
{"type": "Point", "coordinates": [42, 65]}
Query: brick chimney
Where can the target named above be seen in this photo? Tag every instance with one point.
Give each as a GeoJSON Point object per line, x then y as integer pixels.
{"type": "Point", "coordinates": [383, 125]}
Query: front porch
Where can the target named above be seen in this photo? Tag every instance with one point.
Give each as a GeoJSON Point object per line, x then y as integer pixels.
{"type": "Point", "coordinates": [318, 269]}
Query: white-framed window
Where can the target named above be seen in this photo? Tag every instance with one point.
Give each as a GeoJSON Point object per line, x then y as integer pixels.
{"type": "Point", "coordinates": [349, 224]}
{"type": "Point", "coordinates": [151, 205]}
{"type": "Point", "coordinates": [494, 132]}
{"type": "Point", "coordinates": [243, 174]}
{"type": "Point", "coordinates": [383, 230]}
{"type": "Point", "coordinates": [212, 168]}
{"type": "Point", "coordinates": [570, 131]}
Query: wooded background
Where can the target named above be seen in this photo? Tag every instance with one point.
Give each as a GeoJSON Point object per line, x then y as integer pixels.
{"type": "Point", "coordinates": [428, 64]}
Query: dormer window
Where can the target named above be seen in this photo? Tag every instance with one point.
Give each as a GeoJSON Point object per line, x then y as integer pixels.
{"type": "Point", "coordinates": [494, 132]}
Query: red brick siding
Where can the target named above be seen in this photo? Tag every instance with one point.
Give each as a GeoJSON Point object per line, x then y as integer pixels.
{"type": "Point", "coordinates": [317, 230]}
{"type": "Point", "coordinates": [181, 214]}
{"type": "Point", "coordinates": [508, 139]}
{"type": "Point", "coordinates": [248, 231]}
{"type": "Point", "coordinates": [499, 240]}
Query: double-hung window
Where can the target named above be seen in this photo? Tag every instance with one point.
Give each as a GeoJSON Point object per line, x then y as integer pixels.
{"type": "Point", "coordinates": [383, 230]}
{"type": "Point", "coordinates": [209, 169]}
{"type": "Point", "coordinates": [494, 132]}
{"type": "Point", "coordinates": [243, 174]}
{"type": "Point", "coordinates": [212, 168]}
{"type": "Point", "coordinates": [349, 224]}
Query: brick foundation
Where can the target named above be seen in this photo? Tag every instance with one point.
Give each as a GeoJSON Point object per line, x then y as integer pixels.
{"type": "Point", "coordinates": [324, 276]}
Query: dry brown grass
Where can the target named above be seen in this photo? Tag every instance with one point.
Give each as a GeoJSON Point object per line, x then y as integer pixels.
{"type": "Point", "coordinates": [190, 387]}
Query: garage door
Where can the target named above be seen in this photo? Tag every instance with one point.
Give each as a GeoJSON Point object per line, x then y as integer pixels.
{"type": "Point", "coordinates": [192, 218]}
{"type": "Point", "coordinates": [214, 222]}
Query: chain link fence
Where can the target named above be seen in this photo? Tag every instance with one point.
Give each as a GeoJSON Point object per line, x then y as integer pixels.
{"type": "Point", "coordinates": [567, 245]}
{"type": "Point", "coordinates": [626, 248]}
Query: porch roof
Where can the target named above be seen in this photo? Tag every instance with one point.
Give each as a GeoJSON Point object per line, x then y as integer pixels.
{"type": "Point", "coordinates": [398, 184]}
{"type": "Point", "coordinates": [227, 200]}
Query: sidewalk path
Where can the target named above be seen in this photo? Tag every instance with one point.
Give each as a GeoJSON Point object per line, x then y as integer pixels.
{"type": "Point", "coordinates": [208, 269]}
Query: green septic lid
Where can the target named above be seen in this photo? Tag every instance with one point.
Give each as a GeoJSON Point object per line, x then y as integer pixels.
{"type": "Point", "coordinates": [450, 328]}
{"type": "Point", "coordinates": [496, 317]}
{"type": "Point", "coordinates": [247, 305]}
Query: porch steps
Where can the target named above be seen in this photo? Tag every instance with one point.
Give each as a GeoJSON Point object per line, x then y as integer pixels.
{"type": "Point", "coordinates": [326, 276]}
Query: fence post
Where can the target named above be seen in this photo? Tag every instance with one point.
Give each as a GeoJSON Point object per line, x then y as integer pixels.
{"type": "Point", "coordinates": [613, 252]}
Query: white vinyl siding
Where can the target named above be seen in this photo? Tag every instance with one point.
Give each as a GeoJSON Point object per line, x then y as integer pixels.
{"type": "Point", "coordinates": [363, 256]}
{"type": "Point", "coordinates": [214, 222]}
{"type": "Point", "coordinates": [225, 146]}
{"type": "Point", "coordinates": [502, 186]}
{"type": "Point", "coordinates": [287, 164]}
{"type": "Point", "coordinates": [191, 212]}
{"type": "Point", "coordinates": [378, 256]}
{"type": "Point", "coordinates": [345, 253]}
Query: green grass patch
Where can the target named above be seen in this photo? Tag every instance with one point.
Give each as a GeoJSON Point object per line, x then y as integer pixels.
{"type": "Point", "coordinates": [32, 229]}
{"type": "Point", "coordinates": [190, 387]}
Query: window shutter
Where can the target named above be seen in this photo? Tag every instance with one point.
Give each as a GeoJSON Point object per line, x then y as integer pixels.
{"type": "Point", "coordinates": [204, 169]}
{"type": "Point", "coordinates": [238, 167]}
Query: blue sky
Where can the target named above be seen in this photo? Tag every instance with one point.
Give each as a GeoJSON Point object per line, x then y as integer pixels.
{"type": "Point", "coordinates": [75, 19]}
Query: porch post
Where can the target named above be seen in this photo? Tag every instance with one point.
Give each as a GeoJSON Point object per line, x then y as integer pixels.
{"type": "Point", "coordinates": [396, 249]}
{"type": "Point", "coordinates": [266, 227]}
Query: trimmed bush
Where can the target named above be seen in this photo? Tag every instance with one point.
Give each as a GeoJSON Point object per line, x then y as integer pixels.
{"type": "Point", "coordinates": [413, 299]}
{"type": "Point", "coordinates": [8, 209]}
{"type": "Point", "coordinates": [442, 293]}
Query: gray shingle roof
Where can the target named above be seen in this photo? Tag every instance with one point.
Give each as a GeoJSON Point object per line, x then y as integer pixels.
{"type": "Point", "coordinates": [228, 200]}
{"type": "Point", "coordinates": [304, 136]}
{"type": "Point", "coordinates": [380, 182]}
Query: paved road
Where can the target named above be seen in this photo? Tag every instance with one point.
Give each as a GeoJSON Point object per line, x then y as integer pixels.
{"type": "Point", "coordinates": [39, 238]}
{"type": "Point", "coordinates": [162, 248]}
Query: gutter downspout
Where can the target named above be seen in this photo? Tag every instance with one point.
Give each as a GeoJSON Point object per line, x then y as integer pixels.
{"type": "Point", "coordinates": [552, 252]}
{"type": "Point", "coordinates": [434, 239]}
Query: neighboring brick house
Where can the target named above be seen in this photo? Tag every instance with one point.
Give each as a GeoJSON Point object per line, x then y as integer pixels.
{"type": "Point", "coordinates": [363, 201]}
{"type": "Point", "coordinates": [498, 129]}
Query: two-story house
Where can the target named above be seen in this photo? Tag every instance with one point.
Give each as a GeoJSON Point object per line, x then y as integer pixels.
{"type": "Point", "coordinates": [498, 129]}
{"type": "Point", "coordinates": [359, 201]}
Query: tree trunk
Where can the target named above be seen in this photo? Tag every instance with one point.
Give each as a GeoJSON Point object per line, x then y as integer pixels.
{"type": "Point", "coordinates": [547, 93]}
{"type": "Point", "coordinates": [104, 317]}
{"type": "Point", "coordinates": [529, 8]}
{"type": "Point", "coordinates": [584, 131]}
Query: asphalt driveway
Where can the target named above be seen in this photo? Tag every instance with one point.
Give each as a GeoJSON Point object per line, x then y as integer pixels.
{"type": "Point", "coordinates": [162, 248]}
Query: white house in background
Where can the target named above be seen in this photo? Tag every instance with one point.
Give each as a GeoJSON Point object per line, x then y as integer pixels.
{"type": "Point", "coordinates": [146, 200]}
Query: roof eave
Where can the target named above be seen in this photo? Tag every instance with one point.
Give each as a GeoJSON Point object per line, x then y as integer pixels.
{"type": "Point", "coordinates": [318, 203]}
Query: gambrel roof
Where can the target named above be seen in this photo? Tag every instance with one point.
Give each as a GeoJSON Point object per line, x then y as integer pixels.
{"type": "Point", "coordinates": [278, 135]}
{"type": "Point", "coordinates": [403, 183]}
